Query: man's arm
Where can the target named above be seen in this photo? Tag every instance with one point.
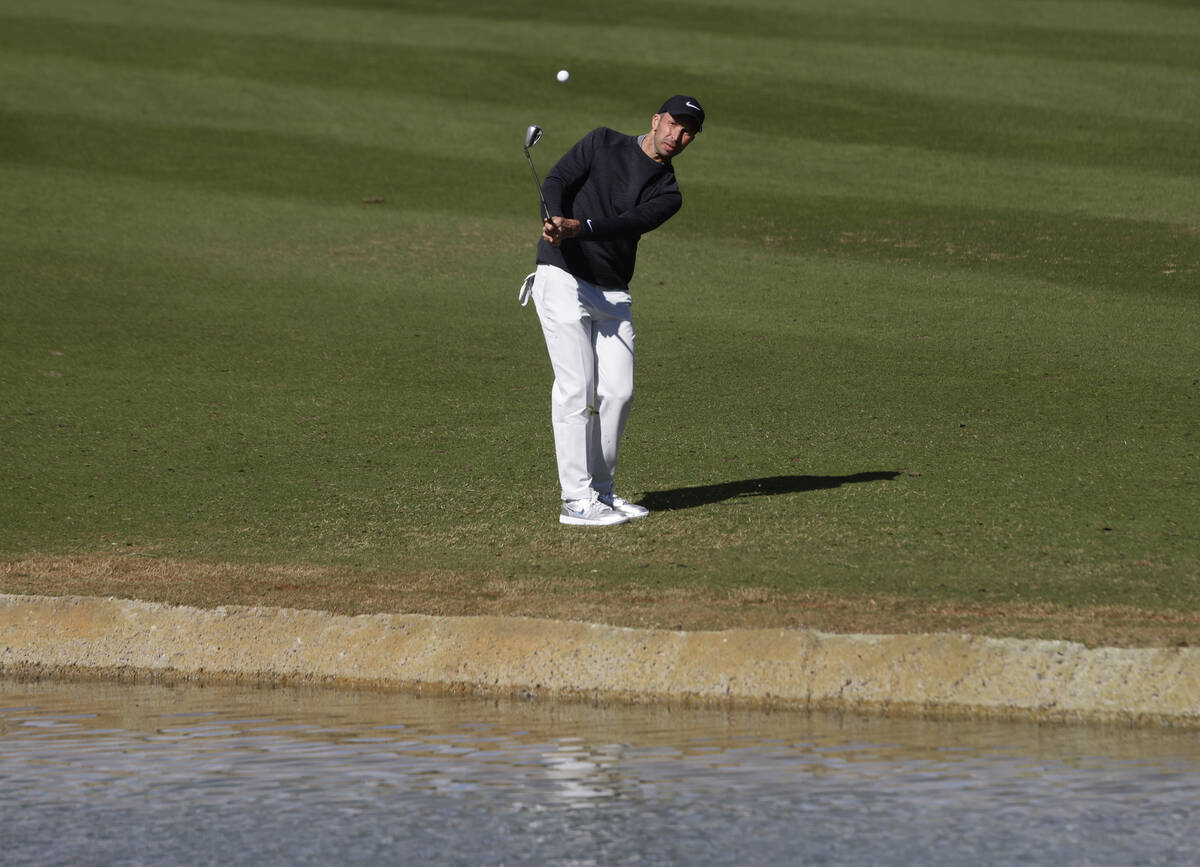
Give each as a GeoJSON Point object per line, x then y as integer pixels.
{"type": "Point", "coordinates": [630, 224]}
{"type": "Point", "coordinates": [635, 222]}
{"type": "Point", "coordinates": [568, 173]}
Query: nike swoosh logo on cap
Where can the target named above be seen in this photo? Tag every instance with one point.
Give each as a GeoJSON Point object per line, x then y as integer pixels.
{"type": "Point", "coordinates": [692, 105]}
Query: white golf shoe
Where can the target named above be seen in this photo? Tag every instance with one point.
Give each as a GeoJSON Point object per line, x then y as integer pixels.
{"type": "Point", "coordinates": [590, 512]}
{"type": "Point", "coordinates": [622, 505]}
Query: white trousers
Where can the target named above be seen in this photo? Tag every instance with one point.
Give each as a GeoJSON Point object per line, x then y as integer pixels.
{"type": "Point", "coordinates": [589, 335]}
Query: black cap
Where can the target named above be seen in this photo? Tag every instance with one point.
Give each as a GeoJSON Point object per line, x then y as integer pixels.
{"type": "Point", "coordinates": [681, 105]}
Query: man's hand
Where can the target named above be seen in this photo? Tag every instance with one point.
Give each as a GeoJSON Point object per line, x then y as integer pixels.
{"type": "Point", "coordinates": [556, 229]}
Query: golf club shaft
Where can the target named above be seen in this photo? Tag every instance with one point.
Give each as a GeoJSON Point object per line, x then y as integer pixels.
{"type": "Point", "coordinates": [538, 184]}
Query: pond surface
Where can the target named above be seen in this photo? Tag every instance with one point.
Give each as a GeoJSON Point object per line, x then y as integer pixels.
{"type": "Point", "coordinates": [145, 774]}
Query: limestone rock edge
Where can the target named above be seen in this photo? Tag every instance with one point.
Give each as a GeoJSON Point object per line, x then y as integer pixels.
{"type": "Point", "coordinates": [944, 675]}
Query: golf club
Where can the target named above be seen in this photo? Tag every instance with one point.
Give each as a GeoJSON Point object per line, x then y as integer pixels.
{"type": "Point", "coordinates": [532, 136]}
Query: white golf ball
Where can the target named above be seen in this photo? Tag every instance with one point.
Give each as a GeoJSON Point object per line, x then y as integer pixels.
{"type": "Point", "coordinates": [563, 75]}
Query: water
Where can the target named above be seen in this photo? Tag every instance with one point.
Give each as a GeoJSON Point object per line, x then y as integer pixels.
{"type": "Point", "coordinates": [123, 774]}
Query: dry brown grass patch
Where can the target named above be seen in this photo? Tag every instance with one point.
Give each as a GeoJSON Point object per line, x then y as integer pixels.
{"type": "Point", "coordinates": [142, 575]}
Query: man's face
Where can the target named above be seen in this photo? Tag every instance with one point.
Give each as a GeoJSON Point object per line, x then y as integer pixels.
{"type": "Point", "coordinates": [669, 135]}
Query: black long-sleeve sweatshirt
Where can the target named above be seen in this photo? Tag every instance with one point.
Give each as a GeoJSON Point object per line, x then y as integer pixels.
{"type": "Point", "coordinates": [607, 182]}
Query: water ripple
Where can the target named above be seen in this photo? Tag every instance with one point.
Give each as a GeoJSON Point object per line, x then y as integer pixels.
{"type": "Point", "coordinates": [99, 774]}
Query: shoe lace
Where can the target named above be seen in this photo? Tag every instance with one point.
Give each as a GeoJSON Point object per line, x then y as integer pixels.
{"type": "Point", "coordinates": [586, 504]}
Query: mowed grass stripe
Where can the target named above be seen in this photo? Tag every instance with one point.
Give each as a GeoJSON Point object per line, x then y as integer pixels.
{"type": "Point", "coordinates": [831, 156]}
{"type": "Point", "coordinates": [1168, 259]}
{"type": "Point", "coordinates": [260, 163]}
{"type": "Point", "coordinates": [1066, 247]}
{"type": "Point", "coordinates": [416, 122]}
{"type": "Point", "coordinates": [446, 73]}
{"type": "Point", "coordinates": [1141, 257]}
{"type": "Point", "coordinates": [329, 170]}
{"type": "Point", "coordinates": [837, 106]}
{"type": "Point", "coordinates": [724, 199]}
{"type": "Point", "coordinates": [1108, 31]}
{"type": "Point", "coordinates": [406, 53]}
{"type": "Point", "coordinates": [494, 58]}
{"type": "Point", "coordinates": [902, 173]}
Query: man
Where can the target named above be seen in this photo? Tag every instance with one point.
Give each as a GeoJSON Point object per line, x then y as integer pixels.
{"type": "Point", "coordinates": [605, 193]}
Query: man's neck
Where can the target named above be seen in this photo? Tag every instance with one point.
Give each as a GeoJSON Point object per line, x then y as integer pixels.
{"type": "Point", "coordinates": [645, 142]}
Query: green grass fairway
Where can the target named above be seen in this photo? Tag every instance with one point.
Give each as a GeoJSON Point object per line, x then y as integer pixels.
{"type": "Point", "coordinates": [925, 336]}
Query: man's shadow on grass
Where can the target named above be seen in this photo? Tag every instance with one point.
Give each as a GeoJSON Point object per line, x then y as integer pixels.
{"type": "Point", "coordinates": [703, 495]}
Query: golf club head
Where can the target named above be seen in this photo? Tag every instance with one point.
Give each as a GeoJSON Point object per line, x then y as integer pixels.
{"type": "Point", "coordinates": [532, 135]}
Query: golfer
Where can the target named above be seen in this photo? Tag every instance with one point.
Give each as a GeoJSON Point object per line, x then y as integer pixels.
{"type": "Point", "coordinates": [605, 193]}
